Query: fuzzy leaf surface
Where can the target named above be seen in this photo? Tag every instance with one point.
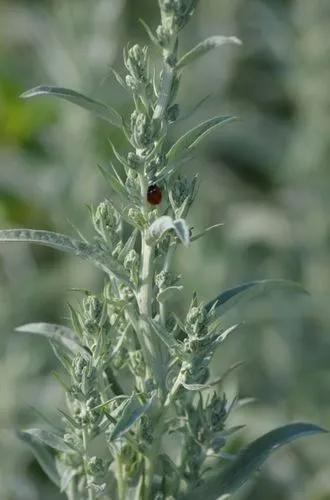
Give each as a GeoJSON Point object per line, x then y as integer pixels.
{"type": "Point", "coordinates": [97, 108]}
{"type": "Point", "coordinates": [204, 47]}
{"type": "Point", "coordinates": [194, 136]}
{"type": "Point", "coordinates": [66, 244]}
{"type": "Point", "coordinates": [49, 439]}
{"type": "Point", "coordinates": [57, 333]}
{"type": "Point", "coordinates": [166, 223]}
{"type": "Point", "coordinates": [249, 460]}
{"type": "Point", "coordinates": [44, 457]}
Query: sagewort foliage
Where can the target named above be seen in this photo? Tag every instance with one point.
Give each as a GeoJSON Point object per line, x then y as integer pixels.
{"type": "Point", "coordinates": [135, 372]}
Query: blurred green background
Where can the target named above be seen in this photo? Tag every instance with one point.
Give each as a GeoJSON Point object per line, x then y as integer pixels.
{"type": "Point", "coordinates": [266, 177]}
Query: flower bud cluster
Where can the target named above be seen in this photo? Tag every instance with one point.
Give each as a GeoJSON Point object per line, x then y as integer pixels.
{"type": "Point", "coordinates": [93, 314]}
{"type": "Point", "coordinates": [132, 185]}
{"type": "Point", "coordinates": [179, 10]}
{"type": "Point", "coordinates": [137, 217]}
{"type": "Point", "coordinates": [154, 166]}
{"type": "Point", "coordinates": [137, 62]}
{"type": "Point", "coordinates": [215, 413]}
{"type": "Point", "coordinates": [85, 412]}
{"type": "Point", "coordinates": [182, 195]}
{"type": "Point", "coordinates": [142, 129]}
{"type": "Point", "coordinates": [106, 221]}
{"type": "Point", "coordinates": [164, 279]}
{"type": "Point", "coordinates": [196, 321]}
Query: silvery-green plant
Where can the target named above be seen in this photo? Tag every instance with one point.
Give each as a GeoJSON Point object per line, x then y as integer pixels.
{"type": "Point", "coordinates": [135, 372]}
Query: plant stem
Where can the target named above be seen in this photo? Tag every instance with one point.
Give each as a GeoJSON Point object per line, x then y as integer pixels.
{"type": "Point", "coordinates": [91, 495]}
{"type": "Point", "coordinates": [71, 491]}
{"type": "Point", "coordinates": [151, 460]}
{"type": "Point", "coordinates": [120, 481]}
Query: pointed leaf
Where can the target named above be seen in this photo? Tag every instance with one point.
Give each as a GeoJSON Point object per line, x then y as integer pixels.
{"type": "Point", "coordinates": [204, 47]}
{"type": "Point", "coordinates": [168, 339]}
{"type": "Point", "coordinates": [50, 439]}
{"type": "Point", "coordinates": [97, 108]}
{"type": "Point", "coordinates": [132, 412]}
{"type": "Point", "coordinates": [249, 460]}
{"type": "Point", "coordinates": [67, 244]}
{"type": "Point", "coordinates": [44, 457]}
{"type": "Point", "coordinates": [205, 231]}
{"type": "Point", "coordinates": [192, 138]}
{"type": "Point", "coordinates": [232, 296]}
{"type": "Point", "coordinates": [57, 333]}
{"type": "Point", "coordinates": [149, 32]}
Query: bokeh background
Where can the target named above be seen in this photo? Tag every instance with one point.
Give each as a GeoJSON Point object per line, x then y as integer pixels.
{"type": "Point", "coordinates": [266, 177]}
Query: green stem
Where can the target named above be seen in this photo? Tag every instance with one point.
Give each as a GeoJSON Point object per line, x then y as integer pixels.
{"type": "Point", "coordinates": [91, 495]}
{"type": "Point", "coordinates": [151, 345]}
{"type": "Point", "coordinates": [71, 491]}
{"type": "Point", "coordinates": [120, 481]}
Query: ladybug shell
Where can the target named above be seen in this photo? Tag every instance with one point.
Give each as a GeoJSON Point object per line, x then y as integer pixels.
{"type": "Point", "coordinates": [154, 195]}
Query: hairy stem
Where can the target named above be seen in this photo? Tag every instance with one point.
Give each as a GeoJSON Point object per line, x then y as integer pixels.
{"type": "Point", "coordinates": [91, 495]}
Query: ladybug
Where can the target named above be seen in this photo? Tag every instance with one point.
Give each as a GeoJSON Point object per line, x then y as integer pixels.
{"type": "Point", "coordinates": [154, 195]}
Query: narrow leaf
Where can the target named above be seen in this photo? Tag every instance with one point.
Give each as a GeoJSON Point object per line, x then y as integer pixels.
{"type": "Point", "coordinates": [57, 333]}
{"type": "Point", "coordinates": [149, 32]}
{"type": "Point", "coordinates": [205, 231]}
{"type": "Point", "coordinates": [132, 412]}
{"type": "Point", "coordinates": [67, 244]}
{"type": "Point", "coordinates": [204, 47]}
{"type": "Point", "coordinates": [249, 460]}
{"type": "Point", "coordinates": [50, 439]}
{"type": "Point", "coordinates": [192, 138]}
{"type": "Point", "coordinates": [44, 457]}
{"type": "Point", "coordinates": [232, 296]}
{"type": "Point", "coordinates": [97, 108]}
{"type": "Point", "coordinates": [168, 338]}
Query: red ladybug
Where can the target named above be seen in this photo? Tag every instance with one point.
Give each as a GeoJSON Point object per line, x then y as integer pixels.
{"type": "Point", "coordinates": [154, 195]}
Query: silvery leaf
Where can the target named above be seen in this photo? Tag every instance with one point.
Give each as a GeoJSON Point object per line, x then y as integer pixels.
{"type": "Point", "coordinates": [97, 108]}
{"type": "Point", "coordinates": [57, 333]}
{"type": "Point", "coordinates": [204, 47]}
{"type": "Point", "coordinates": [50, 439]}
{"type": "Point", "coordinates": [67, 244]}
{"type": "Point", "coordinates": [193, 137]}
{"type": "Point", "coordinates": [166, 223]}
{"type": "Point", "coordinates": [44, 457]}
{"type": "Point", "coordinates": [249, 460]}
